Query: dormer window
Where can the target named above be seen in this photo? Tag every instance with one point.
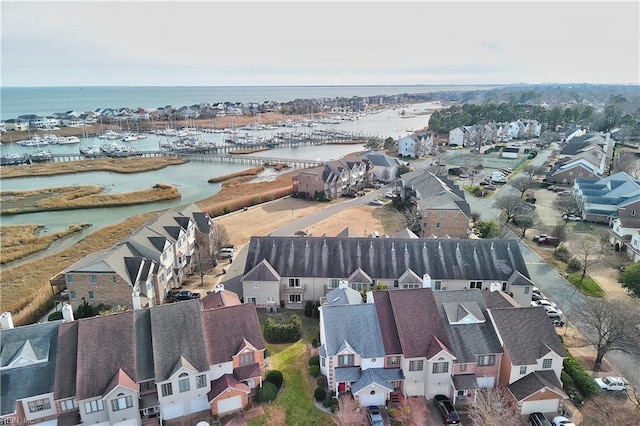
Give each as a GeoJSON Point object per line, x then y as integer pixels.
{"type": "Point", "coordinates": [345, 360]}
{"type": "Point", "coordinates": [39, 405]}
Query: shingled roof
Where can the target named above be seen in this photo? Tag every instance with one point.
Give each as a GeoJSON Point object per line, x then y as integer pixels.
{"type": "Point", "coordinates": [387, 258]}
{"type": "Point", "coordinates": [535, 382]}
{"type": "Point", "coordinates": [354, 326]}
{"type": "Point", "coordinates": [526, 348]}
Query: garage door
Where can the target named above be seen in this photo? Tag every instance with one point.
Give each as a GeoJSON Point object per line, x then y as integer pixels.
{"type": "Point", "coordinates": [230, 404]}
{"type": "Point", "coordinates": [378, 398]}
{"type": "Point", "coordinates": [543, 406]}
{"type": "Point", "coordinates": [199, 404]}
{"type": "Point", "coordinates": [130, 422]}
{"type": "Point", "coordinates": [172, 411]}
{"type": "Point", "coordinates": [485, 382]}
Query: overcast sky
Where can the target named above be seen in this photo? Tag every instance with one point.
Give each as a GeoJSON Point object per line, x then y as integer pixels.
{"type": "Point", "coordinates": [88, 43]}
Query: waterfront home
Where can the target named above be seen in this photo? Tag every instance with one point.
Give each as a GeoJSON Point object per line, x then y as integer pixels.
{"type": "Point", "coordinates": [337, 178]}
{"type": "Point", "coordinates": [383, 168]}
{"type": "Point", "coordinates": [416, 145]}
{"type": "Point", "coordinates": [16, 124]}
{"type": "Point", "coordinates": [137, 367]}
{"type": "Point", "coordinates": [289, 271]}
{"type": "Point", "coordinates": [440, 205]}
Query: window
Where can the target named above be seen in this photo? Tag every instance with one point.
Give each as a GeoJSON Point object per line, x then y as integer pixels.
{"type": "Point", "coordinates": [484, 360]}
{"type": "Point", "coordinates": [295, 298]}
{"type": "Point", "coordinates": [393, 361]}
{"type": "Point", "coordinates": [39, 405]}
{"type": "Point", "coordinates": [167, 389]}
{"type": "Point", "coordinates": [147, 386]}
{"type": "Point", "coordinates": [345, 360]}
{"type": "Point", "coordinates": [183, 384]}
{"type": "Point", "coordinates": [504, 286]}
{"type": "Point", "coordinates": [251, 300]}
{"type": "Point", "coordinates": [416, 365]}
{"type": "Point", "coordinates": [440, 367]}
{"type": "Point", "coordinates": [523, 370]}
{"type": "Point", "coordinates": [93, 279]}
{"type": "Point", "coordinates": [73, 294]}
{"type": "Point", "coordinates": [121, 403]}
{"type": "Point", "coordinates": [437, 285]}
{"type": "Point", "coordinates": [114, 279]}
{"type": "Point", "coordinates": [93, 406]}
{"type": "Point", "coordinates": [294, 282]}
{"type": "Point", "coordinates": [90, 294]}
{"type": "Point", "coordinates": [201, 381]}
{"type": "Point", "coordinates": [69, 279]}
{"type": "Point", "coordinates": [333, 283]}
{"type": "Point", "coordinates": [437, 225]}
{"type": "Point", "coordinates": [246, 359]}
{"type": "Point", "coordinates": [526, 289]}
{"type": "Point", "coordinates": [323, 361]}
{"type": "Point", "coordinates": [360, 286]}
{"type": "Point", "coordinates": [462, 367]}
{"type": "Point", "coordinates": [412, 286]}
{"type": "Point", "coordinates": [271, 299]}
{"type": "Point", "coordinates": [255, 284]}
{"type": "Point", "coordinates": [475, 284]}
{"type": "Point", "coordinates": [442, 213]}
{"type": "Point", "coordinates": [68, 404]}
{"type": "Point", "coordinates": [547, 362]}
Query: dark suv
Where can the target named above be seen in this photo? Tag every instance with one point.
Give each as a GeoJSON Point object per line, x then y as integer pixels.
{"type": "Point", "coordinates": [447, 410]}
{"type": "Point", "coordinates": [538, 419]}
{"type": "Point", "coordinates": [185, 295]}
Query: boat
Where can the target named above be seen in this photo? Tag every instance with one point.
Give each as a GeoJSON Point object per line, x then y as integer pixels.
{"type": "Point", "coordinates": [129, 137]}
{"type": "Point", "coordinates": [91, 151]}
{"type": "Point", "coordinates": [12, 158]}
{"type": "Point", "coordinates": [40, 156]}
{"type": "Point", "coordinates": [68, 140]}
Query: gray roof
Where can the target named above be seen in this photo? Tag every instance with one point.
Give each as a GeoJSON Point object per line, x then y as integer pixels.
{"type": "Point", "coordinates": [378, 376]}
{"type": "Point", "coordinates": [465, 381]}
{"type": "Point", "coordinates": [526, 348]}
{"type": "Point", "coordinates": [144, 346]}
{"type": "Point", "coordinates": [347, 374]}
{"type": "Point", "coordinates": [262, 272]}
{"type": "Point", "coordinates": [67, 362]}
{"type": "Point", "coordinates": [382, 160]}
{"type": "Point", "coordinates": [436, 192]}
{"type": "Point", "coordinates": [355, 326]}
{"type": "Point", "coordinates": [387, 258]}
{"type": "Point", "coordinates": [535, 382]}
{"type": "Point", "coordinates": [343, 296]}
{"type": "Point", "coordinates": [467, 341]}
{"type": "Point", "coordinates": [405, 233]}
{"type": "Point", "coordinates": [35, 342]}
{"type": "Point", "coordinates": [176, 331]}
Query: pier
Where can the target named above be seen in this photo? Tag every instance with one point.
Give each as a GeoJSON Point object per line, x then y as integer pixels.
{"type": "Point", "coordinates": [248, 159]}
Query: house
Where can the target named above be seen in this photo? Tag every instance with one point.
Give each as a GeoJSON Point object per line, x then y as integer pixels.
{"type": "Point", "coordinates": [572, 132]}
{"type": "Point", "coordinates": [335, 179]}
{"type": "Point", "coordinates": [416, 145]}
{"type": "Point", "coordinates": [569, 171]}
{"type": "Point", "coordinates": [625, 226]}
{"type": "Point", "coordinates": [457, 137]}
{"type": "Point", "coordinates": [288, 271]}
{"type": "Point", "coordinates": [599, 199]}
{"type": "Point", "coordinates": [442, 207]}
{"type": "Point", "coordinates": [141, 114]}
{"type": "Point", "coordinates": [633, 248]}
{"type": "Point", "coordinates": [383, 167]}
{"type": "Point", "coordinates": [172, 361]}
{"type": "Point", "coordinates": [16, 124]}
{"type": "Point", "coordinates": [532, 358]}
{"type": "Point", "coordinates": [143, 268]}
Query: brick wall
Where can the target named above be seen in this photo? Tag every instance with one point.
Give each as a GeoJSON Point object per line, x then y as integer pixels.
{"type": "Point", "coordinates": [444, 222]}
{"type": "Point", "coordinates": [104, 291]}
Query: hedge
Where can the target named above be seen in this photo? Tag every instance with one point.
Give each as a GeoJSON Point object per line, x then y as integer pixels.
{"type": "Point", "coordinates": [275, 377]}
{"type": "Point", "coordinates": [268, 392]}
{"type": "Point", "coordinates": [283, 333]}
{"type": "Point", "coordinates": [319, 394]}
{"type": "Point", "coordinates": [314, 360]}
{"type": "Point", "coordinates": [582, 381]}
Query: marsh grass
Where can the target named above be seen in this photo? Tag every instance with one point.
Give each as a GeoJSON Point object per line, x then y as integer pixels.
{"type": "Point", "coordinates": [117, 165]}
{"type": "Point", "coordinates": [25, 290]}
{"type": "Point", "coordinates": [19, 241]}
{"type": "Point", "coordinates": [249, 172]}
{"type": "Point", "coordinates": [80, 197]}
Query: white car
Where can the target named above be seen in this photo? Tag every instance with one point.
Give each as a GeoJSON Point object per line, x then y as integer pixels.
{"type": "Point", "coordinates": [611, 383]}
{"type": "Point", "coordinates": [376, 202]}
{"type": "Point", "coordinates": [562, 421]}
{"type": "Point", "coordinates": [572, 217]}
{"type": "Point", "coordinates": [545, 302]}
{"type": "Point", "coordinates": [390, 195]}
{"type": "Point", "coordinates": [553, 312]}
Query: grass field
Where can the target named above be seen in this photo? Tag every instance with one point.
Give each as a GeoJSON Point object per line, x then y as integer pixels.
{"type": "Point", "coordinates": [19, 241]}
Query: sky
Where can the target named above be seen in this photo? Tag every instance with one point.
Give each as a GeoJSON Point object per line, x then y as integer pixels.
{"type": "Point", "coordinates": [264, 43]}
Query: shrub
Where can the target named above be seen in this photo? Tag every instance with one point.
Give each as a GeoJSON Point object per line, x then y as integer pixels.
{"type": "Point", "coordinates": [563, 254]}
{"type": "Point", "coordinates": [57, 315]}
{"type": "Point", "coordinates": [314, 371]}
{"type": "Point", "coordinates": [330, 402]}
{"type": "Point", "coordinates": [267, 392]}
{"type": "Point", "coordinates": [275, 377]}
{"type": "Point", "coordinates": [308, 309]}
{"type": "Point", "coordinates": [477, 191]}
{"type": "Point", "coordinates": [314, 360]}
{"type": "Point", "coordinates": [321, 381]}
{"type": "Point", "coordinates": [320, 394]}
{"type": "Point", "coordinates": [283, 333]}
{"type": "Point", "coordinates": [574, 264]}
{"type": "Point", "coordinates": [314, 342]}
{"type": "Point", "coordinates": [583, 382]}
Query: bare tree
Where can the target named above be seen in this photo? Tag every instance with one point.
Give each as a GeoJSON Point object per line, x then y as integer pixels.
{"type": "Point", "coordinates": [610, 325]}
{"type": "Point", "coordinates": [412, 411]}
{"type": "Point", "coordinates": [219, 237]}
{"type": "Point", "coordinates": [349, 413]}
{"type": "Point", "coordinates": [626, 162]}
{"type": "Point", "coordinates": [509, 205]}
{"type": "Point", "coordinates": [522, 184]}
{"type": "Point", "coordinates": [492, 407]}
{"type": "Point", "coordinates": [604, 410]}
{"type": "Point", "coordinates": [533, 171]}
{"type": "Point", "coordinates": [589, 251]}
{"type": "Point", "coordinates": [413, 219]}
{"type": "Point", "coordinates": [565, 205]}
{"type": "Point", "coordinates": [524, 222]}
{"type": "Point", "coordinates": [561, 233]}
{"type": "Point", "coordinates": [633, 393]}
{"type": "Point", "coordinates": [203, 261]}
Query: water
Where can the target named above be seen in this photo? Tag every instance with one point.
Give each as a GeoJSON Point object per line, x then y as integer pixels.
{"type": "Point", "coordinates": [16, 101]}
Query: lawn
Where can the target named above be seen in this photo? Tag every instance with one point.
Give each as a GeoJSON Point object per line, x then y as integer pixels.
{"type": "Point", "coordinates": [588, 286]}
{"type": "Point", "coordinates": [296, 396]}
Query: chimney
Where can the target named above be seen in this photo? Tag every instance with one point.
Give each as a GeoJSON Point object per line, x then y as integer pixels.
{"type": "Point", "coordinates": [218, 288]}
{"type": "Point", "coordinates": [67, 313]}
{"type": "Point", "coordinates": [6, 322]}
{"type": "Point", "coordinates": [343, 284]}
{"type": "Point", "coordinates": [135, 296]}
{"type": "Point", "coordinates": [426, 281]}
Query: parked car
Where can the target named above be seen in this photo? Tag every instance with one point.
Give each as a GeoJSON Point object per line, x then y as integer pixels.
{"type": "Point", "coordinates": [537, 237]}
{"type": "Point", "coordinates": [562, 421]}
{"type": "Point", "coordinates": [531, 200]}
{"type": "Point", "coordinates": [549, 241]}
{"type": "Point", "coordinates": [376, 202]}
{"type": "Point", "coordinates": [545, 302]}
{"type": "Point", "coordinates": [447, 410]}
{"type": "Point", "coordinates": [536, 296]}
{"type": "Point", "coordinates": [185, 295]}
{"type": "Point", "coordinates": [552, 188]}
{"type": "Point", "coordinates": [611, 383]}
{"type": "Point", "coordinates": [390, 194]}
{"type": "Point", "coordinates": [564, 193]}
{"type": "Point", "coordinates": [490, 187]}
{"type": "Point", "coordinates": [553, 313]}
{"type": "Point", "coordinates": [375, 418]}
{"type": "Point", "coordinates": [538, 419]}
{"type": "Point", "coordinates": [226, 254]}
{"type": "Point", "coordinates": [557, 322]}
{"type": "Point", "coordinates": [572, 217]}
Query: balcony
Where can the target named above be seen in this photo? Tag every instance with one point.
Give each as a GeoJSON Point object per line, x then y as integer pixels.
{"type": "Point", "coordinates": [294, 290]}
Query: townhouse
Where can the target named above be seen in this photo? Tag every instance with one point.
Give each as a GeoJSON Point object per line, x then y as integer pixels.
{"type": "Point", "coordinates": [490, 133]}
{"type": "Point", "coordinates": [440, 204]}
{"type": "Point", "coordinates": [588, 156]}
{"type": "Point", "coordinates": [599, 199]}
{"type": "Point", "coordinates": [423, 342]}
{"type": "Point", "coordinates": [288, 271]}
{"type": "Point", "coordinates": [416, 145]}
{"type": "Point", "coordinates": [625, 228]}
{"type": "Point", "coordinates": [132, 368]}
{"type": "Point", "coordinates": [141, 270]}
{"type": "Point", "coordinates": [335, 179]}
